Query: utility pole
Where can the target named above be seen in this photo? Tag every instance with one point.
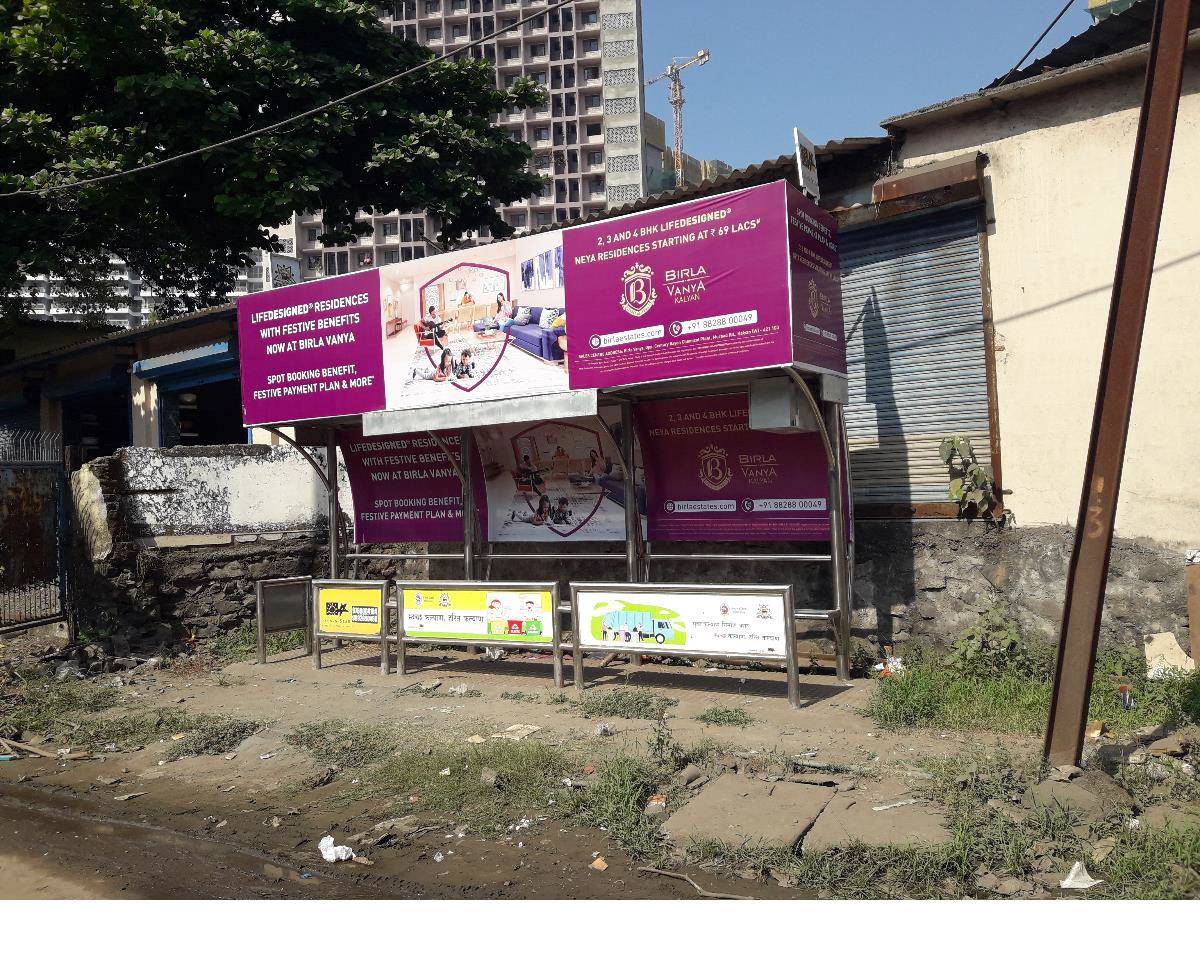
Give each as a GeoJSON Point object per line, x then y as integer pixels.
{"type": "Point", "coordinates": [1088, 572]}
{"type": "Point", "coordinates": [675, 97]}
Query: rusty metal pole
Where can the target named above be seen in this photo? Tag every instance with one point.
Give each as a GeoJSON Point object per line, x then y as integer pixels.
{"type": "Point", "coordinates": [1088, 570]}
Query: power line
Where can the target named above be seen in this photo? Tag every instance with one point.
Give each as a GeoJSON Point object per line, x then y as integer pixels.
{"type": "Point", "coordinates": [284, 122]}
{"type": "Point", "coordinates": [1033, 47]}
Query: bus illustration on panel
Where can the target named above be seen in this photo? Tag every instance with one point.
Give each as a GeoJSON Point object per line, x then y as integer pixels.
{"type": "Point", "coordinates": [628, 622]}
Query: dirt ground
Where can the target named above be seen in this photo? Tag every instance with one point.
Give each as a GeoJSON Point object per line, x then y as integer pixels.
{"type": "Point", "coordinates": [247, 826]}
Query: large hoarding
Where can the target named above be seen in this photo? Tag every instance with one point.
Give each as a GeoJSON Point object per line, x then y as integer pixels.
{"type": "Point", "coordinates": [737, 281]}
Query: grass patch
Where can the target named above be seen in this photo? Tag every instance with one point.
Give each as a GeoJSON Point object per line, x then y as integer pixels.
{"type": "Point", "coordinates": [519, 696]}
{"type": "Point", "coordinates": [346, 744]}
{"type": "Point", "coordinates": [208, 734]}
{"type": "Point", "coordinates": [626, 703]}
{"type": "Point", "coordinates": [997, 695]}
{"type": "Point", "coordinates": [729, 717]}
{"type": "Point", "coordinates": [241, 644]}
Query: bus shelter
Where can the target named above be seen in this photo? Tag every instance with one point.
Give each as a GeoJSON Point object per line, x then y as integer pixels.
{"type": "Point", "coordinates": [625, 395]}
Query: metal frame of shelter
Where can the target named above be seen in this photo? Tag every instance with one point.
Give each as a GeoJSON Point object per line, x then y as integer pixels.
{"type": "Point", "coordinates": [478, 555]}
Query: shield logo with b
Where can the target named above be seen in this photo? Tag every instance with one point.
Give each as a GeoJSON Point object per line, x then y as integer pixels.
{"type": "Point", "coordinates": [714, 468]}
{"type": "Point", "coordinates": [637, 290]}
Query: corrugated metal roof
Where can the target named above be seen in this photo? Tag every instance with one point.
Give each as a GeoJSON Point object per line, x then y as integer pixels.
{"type": "Point", "coordinates": [1115, 33]}
{"type": "Point", "coordinates": [121, 335]}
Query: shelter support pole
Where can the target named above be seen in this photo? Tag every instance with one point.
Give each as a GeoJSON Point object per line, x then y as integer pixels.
{"type": "Point", "coordinates": [633, 526]}
{"type": "Point", "coordinates": [331, 488]}
{"type": "Point", "coordinates": [840, 565]}
{"type": "Point", "coordinates": [466, 448]}
{"type": "Point", "coordinates": [1087, 573]}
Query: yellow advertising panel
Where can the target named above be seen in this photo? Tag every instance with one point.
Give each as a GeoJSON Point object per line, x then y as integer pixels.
{"type": "Point", "coordinates": [347, 610]}
{"type": "Point", "coordinates": [475, 615]}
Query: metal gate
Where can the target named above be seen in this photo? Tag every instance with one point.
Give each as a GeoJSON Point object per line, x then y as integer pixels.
{"type": "Point", "coordinates": [915, 346]}
{"type": "Point", "coordinates": [33, 530]}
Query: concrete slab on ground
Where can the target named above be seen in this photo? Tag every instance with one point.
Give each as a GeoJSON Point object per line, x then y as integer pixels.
{"type": "Point", "coordinates": [737, 811]}
{"type": "Point", "coordinates": [852, 817]}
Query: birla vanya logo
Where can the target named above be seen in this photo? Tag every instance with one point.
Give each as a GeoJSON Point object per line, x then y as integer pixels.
{"type": "Point", "coordinates": [714, 468]}
{"type": "Point", "coordinates": [759, 469]}
{"type": "Point", "coordinates": [686, 285]}
{"type": "Point", "coordinates": [637, 290]}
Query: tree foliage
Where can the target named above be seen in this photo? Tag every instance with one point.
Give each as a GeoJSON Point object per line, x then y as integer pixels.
{"type": "Point", "coordinates": [93, 87]}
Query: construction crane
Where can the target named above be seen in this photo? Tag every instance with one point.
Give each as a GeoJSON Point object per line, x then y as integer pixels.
{"type": "Point", "coordinates": [676, 99]}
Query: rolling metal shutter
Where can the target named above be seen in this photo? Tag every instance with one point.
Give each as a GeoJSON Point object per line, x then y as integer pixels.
{"type": "Point", "coordinates": [913, 300]}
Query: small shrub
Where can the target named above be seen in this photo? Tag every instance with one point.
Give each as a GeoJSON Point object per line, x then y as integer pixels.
{"type": "Point", "coordinates": [626, 703]}
{"type": "Point", "coordinates": [209, 734]}
{"type": "Point", "coordinates": [731, 717]}
{"type": "Point", "coordinates": [995, 646]}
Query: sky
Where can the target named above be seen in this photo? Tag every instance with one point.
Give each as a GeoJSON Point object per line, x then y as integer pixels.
{"type": "Point", "coordinates": [835, 68]}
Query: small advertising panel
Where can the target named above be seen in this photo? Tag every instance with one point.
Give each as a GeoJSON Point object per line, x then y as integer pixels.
{"type": "Point", "coordinates": [406, 488]}
{"type": "Point", "coordinates": [710, 477]}
{"type": "Point", "coordinates": [684, 621]}
{"type": "Point", "coordinates": [442, 611]}
{"type": "Point", "coordinates": [737, 281]}
{"type": "Point", "coordinates": [351, 609]}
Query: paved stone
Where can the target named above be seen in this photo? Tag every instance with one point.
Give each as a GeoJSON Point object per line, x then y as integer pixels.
{"type": "Point", "coordinates": [1181, 818]}
{"type": "Point", "coordinates": [1092, 796]}
{"type": "Point", "coordinates": [737, 811]}
{"type": "Point", "coordinates": [852, 817]}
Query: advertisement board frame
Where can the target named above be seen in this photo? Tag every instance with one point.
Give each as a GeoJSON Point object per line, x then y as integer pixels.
{"type": "Point", "coordinates": [269, 619]}
{"type": "Point", "coordinates": [317, 634]}
{"type": "Point", "coordinates": [784, 592]}
{"type": "Point", "coordinates": [402, 639]}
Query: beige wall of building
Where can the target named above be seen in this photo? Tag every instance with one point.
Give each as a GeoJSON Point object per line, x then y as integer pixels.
{"type": "Point", "coordinates": [1056, 179]}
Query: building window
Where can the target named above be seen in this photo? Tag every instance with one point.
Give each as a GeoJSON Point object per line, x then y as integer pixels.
{"type": "Point", "coordinates": [391, 255]}
{"type": "Point", "coordinates": [542, 134]}
{"type": "Point", "coordinates": [591, 46]}
{"type": "Point", "coordinates": [433, 34]}
{"type": "Point", "coordinates": [541, 219]}
{"type": "Point", "coordinates": [389, 229]}
{"type": "Point", "coordinates": [512, 53]}
{"type": "Point", "coordinates": [591, 74]}
{"type": "Point", "coordinates": [594, 129]}
{"type": "Point", "coordinates": [537, 50]}
{"type": "Point", "coordinates": [313, 234]}
{"type": "Point", "coordinates": [433, 6]}
{"type": "Point", "coordinates": [519, 220]}
{"type": "Point", "coordinates": [593, 17]}
{"type": "Point", "coordinates": [595, 158]}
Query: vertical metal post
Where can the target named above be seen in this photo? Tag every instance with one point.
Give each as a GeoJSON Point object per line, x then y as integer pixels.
{"type": "Point", "coordinates": [260, 633]}
{"type": "Point", "coordinates": [839, 565]}
{"type": "Point", "coordinates": [401, 647]}
{"type": "Point", "coordinates": [385, 614]}
{"type": "Point", "coordinates": [1088, 571]}
{"type": "Point", "coordinates": [466, 447]}
{"type": "Point", "coordinates": [633, 525]}
{"type": "Point", "coordinates": [556, 637]}
{"type": "Point", "coordinates": [331, 475]}
{"type": "Point", "coordinates": [1193, 605]}
{"type": "Point", "coordinates": [315, 633]}
{"type": "Point", "coordinates": [576, 647]}
{"type": "Point", "coordinates": [789, 648]}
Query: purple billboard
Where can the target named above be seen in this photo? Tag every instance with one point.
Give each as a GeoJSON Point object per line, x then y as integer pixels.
{"type": "Point", "coordinates": [311, 351]}
{"type": "Point", "coordinates": [405, 488]}
{"type": "Point", "coordinates": [724, 283]}
{"type": "Point", "coordinates": [710, 477]}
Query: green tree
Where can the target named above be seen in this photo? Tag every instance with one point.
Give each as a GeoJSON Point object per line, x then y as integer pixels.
{"type": "Point", "coordinates": [93, 87]}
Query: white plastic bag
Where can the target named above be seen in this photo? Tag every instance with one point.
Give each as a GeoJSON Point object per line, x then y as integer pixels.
{"type": "Point", "coordinates": [332, 852]}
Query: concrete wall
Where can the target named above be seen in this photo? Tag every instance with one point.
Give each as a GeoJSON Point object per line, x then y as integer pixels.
{"type": "Point", "coordinates": [1056, 181]}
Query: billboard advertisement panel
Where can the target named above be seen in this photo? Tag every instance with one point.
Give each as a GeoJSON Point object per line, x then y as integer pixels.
{"type": "Point", "coordinates": [550, 481]}
{"type": "Point", "coordinates": [684, 623]}
{"type": "Point", "coordinates": [472, 614]}
{"type": "Point", "coordinates": [737, 281]}
{"type": "Point", "coordinates": [405, 488]}
{"type": "Point", "coordinates": [710, 477]}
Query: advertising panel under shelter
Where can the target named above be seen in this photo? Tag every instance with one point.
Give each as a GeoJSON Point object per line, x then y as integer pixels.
{"type": "Point", "coordinates": [737, 281]}
{"type": "Point", "coordinates": [710, 477]}
{"type": "Point", "coordinates": [406, 488]}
